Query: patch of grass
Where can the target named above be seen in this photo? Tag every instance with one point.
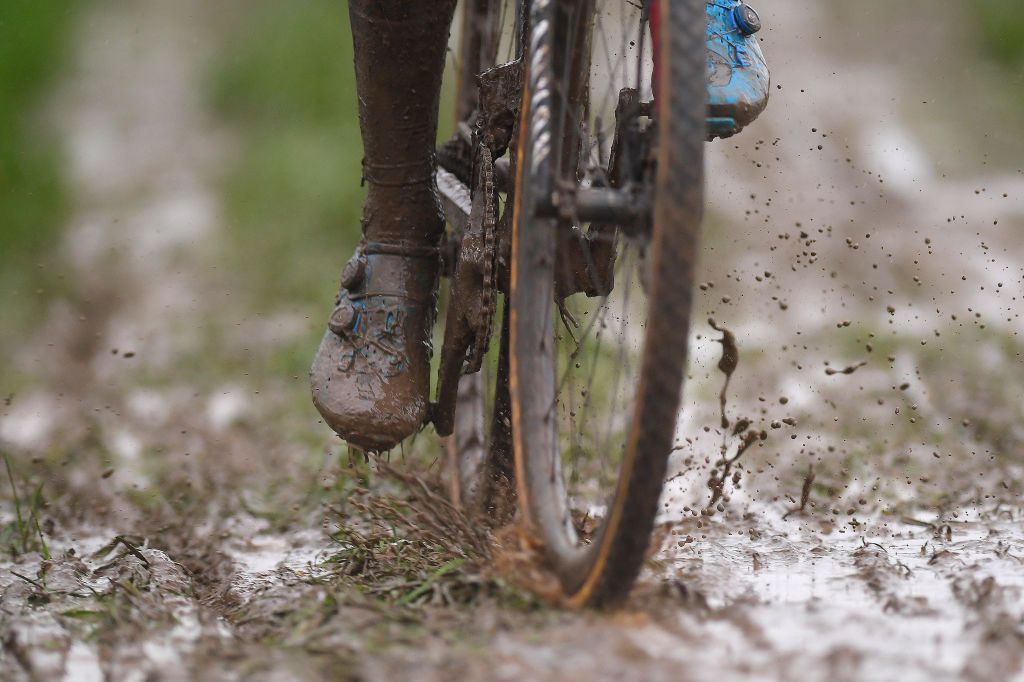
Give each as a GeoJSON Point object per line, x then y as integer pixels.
{"type": "Point", "coordinates": [24, 535]}
{"type": "Point", "coordinates": [412, 547]}
{"type": "Point", "coordinates": [33, 40]}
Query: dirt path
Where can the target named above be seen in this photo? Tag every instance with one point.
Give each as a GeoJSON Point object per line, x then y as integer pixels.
{"type": "Point", "coordinates": [200, 526]}
{"type": "Point", "coordinates": [122, 436]}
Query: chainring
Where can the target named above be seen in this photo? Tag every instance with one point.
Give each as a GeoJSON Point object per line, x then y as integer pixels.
{"type": "Point", "coordinates": [483, 253]}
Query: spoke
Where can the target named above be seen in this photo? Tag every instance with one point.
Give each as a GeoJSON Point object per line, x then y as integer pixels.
{"type": "Point", "coordinates": [622, 363]}
{"type": "Point", "coordinates": [579, 344]}
{"type": "Point", "coordinates": [614, 63]}
{"type": "Point", "coordinates": [598, 378]}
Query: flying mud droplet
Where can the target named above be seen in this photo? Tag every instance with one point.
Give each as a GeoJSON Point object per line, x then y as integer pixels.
{"type": "Point", "coordinates": [805, 493]}
{"type": "Point", "coordinates": [846, 370]}
{"type": "Point", "coordinates": [741, 426]}
{"type": "Point", "coordinates": [727, 364]}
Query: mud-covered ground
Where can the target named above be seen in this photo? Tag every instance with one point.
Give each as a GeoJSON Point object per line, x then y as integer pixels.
{"type": "Point", "coordinates": [178, 511]}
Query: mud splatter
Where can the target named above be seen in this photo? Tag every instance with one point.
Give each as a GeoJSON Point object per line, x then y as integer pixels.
{"type": "Point", "coordinates": [805, 494]}
{"type": "Point", "coordinates": [850, 369]}
{"type": "Point", "coordinates": [726, 365]}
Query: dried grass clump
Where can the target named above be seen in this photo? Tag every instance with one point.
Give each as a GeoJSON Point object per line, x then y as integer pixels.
{"type": "Point", "coordinates": [413, 546]}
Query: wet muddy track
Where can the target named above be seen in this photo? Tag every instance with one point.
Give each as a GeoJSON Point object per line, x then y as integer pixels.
{"type": "Point", "coordinates": [216, 528]}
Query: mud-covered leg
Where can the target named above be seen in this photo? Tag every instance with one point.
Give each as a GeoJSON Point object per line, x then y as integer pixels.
{"type": "Point", "coordinates": [399, 58]}
{"type": "Point", "coordinates": [370, 378]}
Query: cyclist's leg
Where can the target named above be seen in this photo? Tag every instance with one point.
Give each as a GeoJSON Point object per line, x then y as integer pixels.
{"type": "Point", "coordinates": [370, 378]}
{"type": "Point", "coordinates": [400, 49]}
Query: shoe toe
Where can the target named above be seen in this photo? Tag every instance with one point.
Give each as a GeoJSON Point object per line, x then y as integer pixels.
{"type": "Point", "coordinates": [371, 375]}
{"type": "Point", "coordinates": [369, 412]}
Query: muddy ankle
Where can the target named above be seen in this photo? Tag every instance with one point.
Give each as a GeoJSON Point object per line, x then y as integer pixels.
{"type": "Point", "coordinates": [403, 215]}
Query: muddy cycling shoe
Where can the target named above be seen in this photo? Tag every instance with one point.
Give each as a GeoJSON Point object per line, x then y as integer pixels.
{"type": "Point", "coordinates": [737, 75]}
{"type": "Point", "coordinates": [371, 375]}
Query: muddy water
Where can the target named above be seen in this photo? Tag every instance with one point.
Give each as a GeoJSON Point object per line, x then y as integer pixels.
{"type": "Point", "coordinates": [898, 601]}
{"type": "Point", "coordinates": [866, 287]}
{"type": "Point", "coordinates": [900, 559]}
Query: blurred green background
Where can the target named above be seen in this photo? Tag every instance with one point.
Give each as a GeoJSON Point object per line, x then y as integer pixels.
{"type": "Point", "coordinates": [285, 82]}
{"type": "Point", "coordinates": [279, 80]}
{"type": "Point", "coordinates": [1001, 30]}
{"type": "Point", "coordinates": [34, 36]}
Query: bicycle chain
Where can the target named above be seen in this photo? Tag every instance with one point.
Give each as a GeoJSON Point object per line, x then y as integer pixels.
{"type": "Point", "coordinates": [485, 191]}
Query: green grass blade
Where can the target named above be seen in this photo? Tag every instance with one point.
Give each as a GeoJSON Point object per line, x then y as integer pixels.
{"type": "Point", "coordinates": [434, 577]}
{"type": "Point", "coordinates": [22, 528]}
{"type": "Point", "coordinates": [37, 504]}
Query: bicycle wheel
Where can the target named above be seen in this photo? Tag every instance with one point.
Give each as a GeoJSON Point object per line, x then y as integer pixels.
{"type": "Point", "coordinates": [597, 367]}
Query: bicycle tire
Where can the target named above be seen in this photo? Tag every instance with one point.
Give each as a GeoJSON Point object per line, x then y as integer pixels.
{"type": "Point", "coordinates": [602, 572]}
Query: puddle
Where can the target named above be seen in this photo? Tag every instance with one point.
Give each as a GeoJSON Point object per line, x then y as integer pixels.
{"type": "Point", "coordinates": [890, 597]}
{"type": "Point", "coordinates": [257, 552]}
